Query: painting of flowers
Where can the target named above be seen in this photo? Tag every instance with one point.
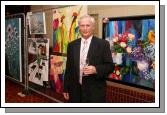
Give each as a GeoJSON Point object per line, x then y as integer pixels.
{"type": "Point", "coordinates": [132, 42]}
{"type": "Point", "coordinates": [13, 47]}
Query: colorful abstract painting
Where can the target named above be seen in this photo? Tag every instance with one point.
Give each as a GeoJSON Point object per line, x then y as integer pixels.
{"type": "Point", "coordinates": [38, 56]}
{"type": "Point", "coordinates": [37, 23]}
{"type": "Point", "coordinates": [65, 26]}
{"type": "Point", "coordinates": [132, 41]}
{"type": "Point", "coordinates": [57, 69]}
{"type": "Point", "coordinates": [13, 47]}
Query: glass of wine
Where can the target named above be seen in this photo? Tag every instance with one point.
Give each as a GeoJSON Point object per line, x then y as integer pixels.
{"type": "Point", "coordinates": [86, 64]}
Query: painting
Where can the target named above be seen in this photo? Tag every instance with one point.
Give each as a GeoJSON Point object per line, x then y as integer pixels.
{"type": "Point", "coordinates": [38, 59]}
{"type": "Point", "coordinates": [57, 70]}
{"type": "Point", "coordinates": [65, 26]}
{"type": "Point", "coordinates": [13, 48]}
{"type": "Point", "coordinates": [37, 23]}
{"type": "Point", "coordinates": [132, 41]}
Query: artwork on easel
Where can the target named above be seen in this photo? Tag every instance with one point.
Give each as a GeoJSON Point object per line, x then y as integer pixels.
{"type": "Point", "coordinates": [57, 69]}
{"type": "Point", "coordinates": [38, 56]}
{"type": "Point", "coordinates": [37, 23]}
{"type": "Point", "coordinates": [13, 47]}
{"type": "Point", "coordinates": [65, 26]}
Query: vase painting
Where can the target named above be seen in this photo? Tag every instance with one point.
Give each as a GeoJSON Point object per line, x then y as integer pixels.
{"type": "Point", "coordinates": [117, 58]}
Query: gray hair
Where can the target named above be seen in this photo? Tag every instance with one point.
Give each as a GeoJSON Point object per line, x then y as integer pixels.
{"type": "Point", "coordinates": [92, 20]}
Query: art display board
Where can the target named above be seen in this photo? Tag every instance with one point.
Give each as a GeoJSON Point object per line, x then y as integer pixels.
{"type": "Point", "coordinates": [65, 26]}
{"type": "Point", "coordinates": [13, 47]}
{"type": "Point", "coordinates": [38, 60]}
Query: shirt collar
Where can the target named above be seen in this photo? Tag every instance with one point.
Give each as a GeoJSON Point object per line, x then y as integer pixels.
{"type": "Point", "coordinates": [88, 40]}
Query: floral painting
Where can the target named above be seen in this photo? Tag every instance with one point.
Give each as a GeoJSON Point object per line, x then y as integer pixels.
{"type": "Point", "coordinates": [57, 69]}
{"type": "Point", "coordinates": [65, 26]}
{"type": "Point", "coordinates": [132, 42]}
{"type": "Point", "coordinates": [13, 47]}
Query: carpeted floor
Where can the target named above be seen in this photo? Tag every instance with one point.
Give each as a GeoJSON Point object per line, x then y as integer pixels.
{"type": "Point", "coordinates": [11, 94]}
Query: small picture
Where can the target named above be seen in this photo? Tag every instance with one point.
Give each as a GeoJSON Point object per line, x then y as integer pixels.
{"type": "Point", "coordinates": [57, 71]}
{"type": "Point", "coordinates": [37, 23]}
{"type": "Point", "coordinates": [38, 57]}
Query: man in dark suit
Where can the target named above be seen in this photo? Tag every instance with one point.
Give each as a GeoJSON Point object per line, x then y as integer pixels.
{"type": "Point", "coordinates": [87, 84]}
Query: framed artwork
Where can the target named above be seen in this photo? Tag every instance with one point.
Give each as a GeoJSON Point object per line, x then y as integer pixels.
{"type": "Point", "coordinates": [38, 59]}
{"type": "Point", "coordinates": [57, 71]}
{"type": "Point", "coordinates": [132, 41]}
{"type": "Point", "coordinates": [65, 26]}
{"type": "Point", "coordinates": [37, 23]}
{"type": "Point", "coordinates": [13, 47]}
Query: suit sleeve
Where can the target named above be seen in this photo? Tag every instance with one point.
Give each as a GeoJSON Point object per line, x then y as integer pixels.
{"type": "Point", "coordinates": [68, 69]}
{"type": "Point", "coordinates": [106, 67]}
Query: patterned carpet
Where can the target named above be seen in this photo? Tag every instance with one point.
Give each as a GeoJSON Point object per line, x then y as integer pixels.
{"type": "Point", "coordinates": [11, 94]}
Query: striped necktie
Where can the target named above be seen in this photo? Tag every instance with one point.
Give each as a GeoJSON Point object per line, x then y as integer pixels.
{"type": "Point", "coordinates": [83, 58]}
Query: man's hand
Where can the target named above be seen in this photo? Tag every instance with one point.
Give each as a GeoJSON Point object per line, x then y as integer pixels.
{"type": "Point", "coordinates": [66, 96]}
{"type": "Point", "coordinates": [89, 70]}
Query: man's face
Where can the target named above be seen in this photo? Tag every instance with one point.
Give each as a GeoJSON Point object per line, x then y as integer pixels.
{"type": "Point", "coordinates": [86, 28]}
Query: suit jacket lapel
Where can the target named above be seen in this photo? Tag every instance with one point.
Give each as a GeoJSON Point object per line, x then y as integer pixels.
{"type": "Point", "coordinates": [91, 50]}
{"type": "Point", "coordinates": [77, 55]}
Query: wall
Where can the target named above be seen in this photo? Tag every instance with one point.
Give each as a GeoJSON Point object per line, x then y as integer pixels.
{"type": "Point", "coordinates": [119, 11]}
{"type": "Point", "coordinates": [118, 93]}
{"type": "Point", "coordinates": [100, 10]}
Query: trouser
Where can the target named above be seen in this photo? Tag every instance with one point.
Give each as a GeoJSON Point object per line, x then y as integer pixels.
{"type": "Point", "coordinates": [85, 95]}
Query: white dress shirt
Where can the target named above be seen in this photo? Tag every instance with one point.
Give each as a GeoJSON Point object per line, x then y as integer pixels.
{"type": "Point", "coordinates": [81, 57]}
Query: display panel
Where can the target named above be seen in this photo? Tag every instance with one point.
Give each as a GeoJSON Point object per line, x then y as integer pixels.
{"type": "Point", "coordinates": [132, 42]}
{"type": "Point", "coordinates": [13, 48]}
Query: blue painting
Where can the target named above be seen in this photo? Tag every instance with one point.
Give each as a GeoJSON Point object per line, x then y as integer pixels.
{"type": "Point", "coordinates": [13, 47]}
{"type": "Point", "coordinates": [132, 41]}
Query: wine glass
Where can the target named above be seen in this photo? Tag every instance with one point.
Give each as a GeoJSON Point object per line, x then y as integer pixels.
{"type": "Point", "coordinates": [86, 64]}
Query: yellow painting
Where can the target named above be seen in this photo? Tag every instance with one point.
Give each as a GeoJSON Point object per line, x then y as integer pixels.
{"type": "Point", "coordinates": [65, 26]}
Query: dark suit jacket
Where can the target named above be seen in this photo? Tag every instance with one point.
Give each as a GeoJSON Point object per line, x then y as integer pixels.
{"type": "Point", "coordinates": [94, 86]}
